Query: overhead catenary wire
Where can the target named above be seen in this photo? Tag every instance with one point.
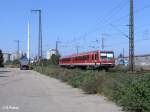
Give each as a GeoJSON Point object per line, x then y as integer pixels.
{"type": "Point", "coordinates": [121, 32]}
{"type": "Point", "coordinates": [121, 43]}
{"type": "Point", "coordinates": [110, 14]}
{"type": "Point", "coordinates": [125, 16]}
{"type": "Point", "coordinates": [114, 11]}
{"type": "Point", "coordinates": [108, 23]}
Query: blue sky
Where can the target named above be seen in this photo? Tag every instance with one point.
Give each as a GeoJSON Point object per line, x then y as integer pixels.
{"type": "Point", "coordinates": [74, 23]}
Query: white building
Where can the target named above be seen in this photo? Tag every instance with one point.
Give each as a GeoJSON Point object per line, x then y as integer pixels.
{"type": "Point", "coordinates": [16, 56]}
{"type": "Point", "coordinates": [50, 53]}
{"type": "Point", "coordinates": [13, 56]}
{"type": "Point", "coordinates": [7, 57]}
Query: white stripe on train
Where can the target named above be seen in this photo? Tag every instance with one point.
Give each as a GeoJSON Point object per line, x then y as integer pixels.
{"type": "Point", "coordinates": [87, 64]}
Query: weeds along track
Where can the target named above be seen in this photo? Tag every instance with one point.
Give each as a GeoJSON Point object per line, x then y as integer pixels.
{"type": "Point", "coordinates": [132, 91]}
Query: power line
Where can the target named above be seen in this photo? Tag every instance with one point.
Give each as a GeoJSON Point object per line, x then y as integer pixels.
{"type": "Point", "coordinates": [108, 23]}
{"type": "Point", "coordinates": [118, 8]}
{"type": "Point", "coordinates": [121, 43]}
{"type": "Point", "coordinates": [119, 31]}
{"type": "Point", "coordinates": [136, 11]}
{"type": "Point", "coordinates": [114, 10]}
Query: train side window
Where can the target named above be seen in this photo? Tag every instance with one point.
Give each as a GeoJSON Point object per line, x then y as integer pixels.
{"type": "Point", "coordinates": [93, 57]}
{"type": "Point", "coordinates": [96, 56]}
{"type": "Point", "coordinates": [82, 57]}
{"type": "Point", "coordinates": [76, 58]}
{"type": "Point", "coordinates": [87, 57]}
{"type": "Point", "coordinates": [67, 60]}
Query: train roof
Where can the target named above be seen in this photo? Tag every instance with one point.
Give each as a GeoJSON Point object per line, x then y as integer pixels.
{"type": "Point", "coordinates": [83, 53]}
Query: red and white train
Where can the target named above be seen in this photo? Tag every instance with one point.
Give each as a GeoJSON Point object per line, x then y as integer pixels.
{"type": "Point", "coordinates": [94, 59]}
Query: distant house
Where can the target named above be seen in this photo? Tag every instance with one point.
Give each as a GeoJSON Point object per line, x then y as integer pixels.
{"type": "Point", "coordinates": [142, 59]}
{"type": "Point", "coordinates": [51, 52]}
{"type": "Point", "coordinates": [16, 56]}
{"type": "Point", "coordinates": [7, 57]}
{"type": "Point", "coordinates": [139, 60]}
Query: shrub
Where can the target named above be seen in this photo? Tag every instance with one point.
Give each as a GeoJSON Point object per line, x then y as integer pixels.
{"type": "Point", "coordinates": [135, 95]}
{"type": "Point", "coordinates": [55, 59]}
{"type": "Point", "coordinates": [131, 91]}
{"type": "Point", "coordinates": [119, 68]}
{"type": "Point", "coordinates": [13, 64]}
{"type": "Point", "coordinates": [44, 63]}
{"type": "Point", "coordinates": [92, 83]}
{"type": "Point", "coordinates": [76, 79]}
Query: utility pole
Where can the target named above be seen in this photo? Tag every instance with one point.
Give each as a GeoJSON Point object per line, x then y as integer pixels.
{"type": "Point", "coordinates": [57, 42]}
{"type": "Point", "coordinates": [131, 37]}
{"type": "Point", "coordinates": [28, 51]}
{"type": "Point", "coordinates": [40, 34]}
{"type": "Point", "coordinates": [123, 53]}
{"type": "Point", "coordinates": [18, 48]}
{"type": "Point", "coordinates": [77, 48]}
{"type": "Point", "coordinates": [103, 43]}
{"type": "Point", "coordinates": [102, 40]}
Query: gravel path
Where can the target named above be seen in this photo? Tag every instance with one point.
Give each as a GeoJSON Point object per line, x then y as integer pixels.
{"type": "Point", "coordinates": [29, 91]}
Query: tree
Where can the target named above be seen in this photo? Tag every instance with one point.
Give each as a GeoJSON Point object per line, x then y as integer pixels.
{"type": "Point", "coordinates": [1, 59]}
{"type": "Point", "coordinates": [55, 59]}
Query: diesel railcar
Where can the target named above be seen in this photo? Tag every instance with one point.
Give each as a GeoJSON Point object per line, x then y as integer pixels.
{"type": "Point", "coordinates": [93, 59]}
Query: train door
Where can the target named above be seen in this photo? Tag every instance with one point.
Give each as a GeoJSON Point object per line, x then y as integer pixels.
{"type": "Point", "coordinates": [94, 59]}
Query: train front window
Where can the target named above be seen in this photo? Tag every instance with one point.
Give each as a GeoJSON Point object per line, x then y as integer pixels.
{"type": "Point", "coordinates": [107, 55]}
{"type": "Point", "coordinates": [110, 55]}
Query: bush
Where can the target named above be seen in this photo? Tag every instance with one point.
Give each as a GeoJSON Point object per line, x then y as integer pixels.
{"type": "Point", "coordinates": [92, 83]}
{"type": "Point", "coordinates": [15, 62]}
{"type": "Point", "coordinates": [129, 90]}
{"type": "Point", "coordinates": [55, 59]}
{"type": "Point", "coordinates": [135, 95]}
{"type": "Point", "coordinates": [44, 62]}
{"type": "Point", "coordinates": [119, 68]}
{"type": "Point", "coordinates": [76, 79]}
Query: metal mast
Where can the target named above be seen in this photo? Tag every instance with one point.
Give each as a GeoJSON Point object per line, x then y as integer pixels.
{"type": "Point", "coordinates": [18, 48]}
{"type": "Point", "coordinates": [40, 55]}
{"type": "Point", "coordinates": [77, 48]}
{"type": "Point", "coordinates": [131, 38]}
{"type": "Point", "coordinates": [28, 52]}
{"type": "Point", "coordinates": [57, 42]}
{"type": "Point", "coordinates": [123, 53]}
{"type": "Point", "coordinates": [103, 43]}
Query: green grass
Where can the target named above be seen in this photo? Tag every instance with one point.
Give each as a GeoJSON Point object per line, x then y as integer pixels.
{"type": "Point", "coordinates": [131, 91]}
{"type": "Point", "coordinates": [13, 64]}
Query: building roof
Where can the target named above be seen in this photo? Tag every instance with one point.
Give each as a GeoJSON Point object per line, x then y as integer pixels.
{"type": "Point", "coordinates": [7, 53]}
